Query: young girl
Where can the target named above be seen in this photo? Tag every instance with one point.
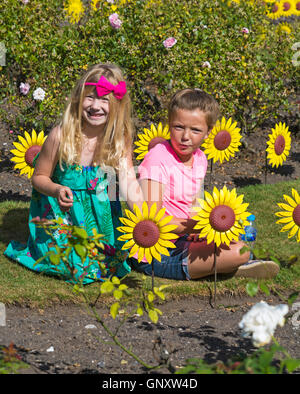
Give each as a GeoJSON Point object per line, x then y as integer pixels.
{"type": "Point", "coordinates": [70, 178]}
{"type": "Point", "coordinates": [172, 175]}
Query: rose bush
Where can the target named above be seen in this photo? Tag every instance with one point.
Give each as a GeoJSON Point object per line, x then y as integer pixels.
{"type": "Point", "coordinates": [251, 74]}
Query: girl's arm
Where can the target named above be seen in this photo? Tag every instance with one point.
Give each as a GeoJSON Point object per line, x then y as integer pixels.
{"type": "Point", "coordinates": [46, 162]}
{"type": "Point", "coordinates": [153, 192]}
{"type": "Point", "coordinates": [130, 189]}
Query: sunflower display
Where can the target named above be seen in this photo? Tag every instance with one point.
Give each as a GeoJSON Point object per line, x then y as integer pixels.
{"type": "Point", "coordinates": [150, 138]}
{"type": "Point", "coordinates": [297, 8]}
{"type": "Point", "coordinates": [287, 7]}
{"type": "Point", "coordinates": [147, 233]}
{"type": "Point", "coordinates": [279, 145]}
{"type": "Point", "coordinates": [222, 216]}
{"type": "Point", "coordinates": [223, 141]}
{"type": "Point", "coordinates": [26, 150]}
{"type": "Point", "coordinates": [275, 11]}
{"type": "Point", "coordinates": [290, 216]}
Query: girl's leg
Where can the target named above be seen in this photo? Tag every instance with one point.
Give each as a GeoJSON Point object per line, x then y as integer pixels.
{"type": "Point", "coordinates": [201, 258]}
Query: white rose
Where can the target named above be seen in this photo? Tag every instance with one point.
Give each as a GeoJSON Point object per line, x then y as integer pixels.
{"type": "Point", "coordinates": [261, 322]}
{"type": "Point", "coordinates": [39, 94]}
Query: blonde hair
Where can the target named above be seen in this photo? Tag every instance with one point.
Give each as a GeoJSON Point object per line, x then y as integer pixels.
{"type": "Point", "coordinates": [191, 99]}
{"type": "Point", "coordinates": [118, 129]}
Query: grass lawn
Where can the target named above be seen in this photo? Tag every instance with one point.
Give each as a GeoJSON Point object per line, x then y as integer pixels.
{"type": "Point", "coordinates": [21, 286]}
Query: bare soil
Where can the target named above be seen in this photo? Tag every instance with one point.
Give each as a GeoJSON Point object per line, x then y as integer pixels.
{"type": "Point", "coordinates": [57, 340]}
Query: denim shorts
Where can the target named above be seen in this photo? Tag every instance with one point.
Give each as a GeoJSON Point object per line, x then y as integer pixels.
{"type": "Point", "coordinates": [174, 266]}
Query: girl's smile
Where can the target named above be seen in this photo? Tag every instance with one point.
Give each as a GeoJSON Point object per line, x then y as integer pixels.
{"type": "Point", "coordinates": [95, 110]}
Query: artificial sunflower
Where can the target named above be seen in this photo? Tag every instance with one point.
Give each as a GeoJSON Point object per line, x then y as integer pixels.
{"type": "Point", "coordinates": [74, 9]}
{"type": "Point", "coordinates": [147, 233]}
{"type": "Point", "coordinates": [223, 141]}
{"type": "Point", "coordinates": [26, 150]}
{"type": "Point", "coordinates": [222, 216]}
{"type": "Point", "coordinates": [290, 217]}
{"type": "Point", "coordinates": [286, 7]}
{"type": "Point", "coordinates": [279, 144]}
{"type": "Point", "coordinates": [275, 11]}
{"type": "Point", "coordinates": [297, 7]}
{"type": "Point", "coordinates": [150, 138]}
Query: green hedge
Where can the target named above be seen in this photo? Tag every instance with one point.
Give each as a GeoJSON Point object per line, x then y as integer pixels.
{"type": "Point", "coordinates": [252, 75]}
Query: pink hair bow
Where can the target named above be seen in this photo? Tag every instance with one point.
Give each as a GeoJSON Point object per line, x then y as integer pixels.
{"type": "Point", "coordinates": [104, 87]}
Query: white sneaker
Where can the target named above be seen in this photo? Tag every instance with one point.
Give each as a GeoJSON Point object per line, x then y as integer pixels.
{"type": "Point", "coordinates": [258, 269]}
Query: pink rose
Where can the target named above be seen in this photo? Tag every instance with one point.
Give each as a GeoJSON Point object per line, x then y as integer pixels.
{"type": "Point", "coordinates": [114, 21]}
{"type": "Point", "coordinates": [24, 88]}
{"type": "Point", "coordinates": [169, 42]}
{"type": "Point", "coordinates": [245, 30]}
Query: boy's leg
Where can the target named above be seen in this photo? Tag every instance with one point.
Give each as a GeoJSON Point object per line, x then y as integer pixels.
{"type": "Point", "coordinates": [201, 258]}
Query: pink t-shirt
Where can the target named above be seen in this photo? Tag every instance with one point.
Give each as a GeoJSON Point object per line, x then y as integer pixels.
{"type": "Point", "coordinates": [181, 182]}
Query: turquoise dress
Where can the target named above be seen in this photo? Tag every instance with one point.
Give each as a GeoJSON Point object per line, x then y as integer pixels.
{"type": "Point", "coordinates": [91, 209]}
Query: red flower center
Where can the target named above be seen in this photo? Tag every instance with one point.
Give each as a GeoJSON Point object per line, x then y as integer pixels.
{"type": "Point", "coordinates": [222, 140]}
{"type": "Point", "coordinates": [275, 8]}
{"type": "Point", "coordinates": [279, 145]}
{"type": "Point", "coordinates": [286, 6]}
{"type": "Point", "coordinates": [31, 153]}
{"type": "Point", "coordinates": [298, 6]}
{"type": "Point", "coordinates": [222, 218]}
{"type": "Point", "coordinates": [296, 215]}
{"type": "Point", "coordinates": [146, 233]}
{"type": "Point", "coordinates": [155, 141]}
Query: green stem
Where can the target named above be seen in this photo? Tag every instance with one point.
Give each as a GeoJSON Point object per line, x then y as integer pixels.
{"type": "Point", "coordinates": [215, 272]}
{"type": "Point", "coordinates": [116, 341]}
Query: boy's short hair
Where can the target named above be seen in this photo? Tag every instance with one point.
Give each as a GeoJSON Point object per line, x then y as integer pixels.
{"type": "Point", "coordinates": [191, 99]}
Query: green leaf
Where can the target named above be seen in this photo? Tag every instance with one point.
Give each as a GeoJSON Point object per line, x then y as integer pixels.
{"type": "Point", "coordinates": [115, 280]}
{"type": "Point", "coordinates": [80, 250]}
{"type": "Point", "coordinates": [153, 316]}
{"type": "Point", "coordinates": [107, 287]}
{"type": "Point", "coordinates": [139, 310]}
{"type": "Point", "coordinates": [114, 309]}
{"type": "Point", "coordinates": [293, 297]}
{"type": "Point", "coordinates": [54, 258]}
{"type": "Point", "coordinates": [77, 289]}
{"type": "Point", "coordinates": [252, 288]}
{"type": "Point", "coordinates": [151, 296]}
{"type": "Point", "coordinates": [118, 294]}
{"type": "Point", "coordinates": [159, 293]}
{"type": "Point", "coordinates": [80, 233]}
{"type": "Point", "coordinates": [291, 364]}
{"type": "Point", "coordinates": [264, 288]}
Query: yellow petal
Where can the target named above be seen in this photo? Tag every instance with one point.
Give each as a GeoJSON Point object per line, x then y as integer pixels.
{"type": "Point", "coordinates": [290, 201]}
{"type": "Point", "coordinates": [33, 137]}
{"type": "Point", "coordinates": [18, 153]}
{"type": "Point", "coordinates": [152, 212]}
{"type": "Point", "coordinates": [16, 159]}
{"type": "Point", "coordinates": [145, 210]}
{"type": "Point", "coordinates": [141, 254]}
{"type": "Point", "coordinates": [28, 138]}
{"type": "Point", "coordinates": [127, 222]}
{"type": "Point", "coordinates": [160, 214]}
{"type": "Point", "coordinates": [20, 147]}
{"type": "Point", "coordinates": [40, 138]}
{"type": "Point", "coordinates": [131, 216]}
{"type": "Point", "coordinates": [23, 141]}
{"type": "Point", "coordinates": [148, 255]}
{"type": "Point", "coordinates": [155, 253]}
{"type": "Point", "coordinates": [133, 250]}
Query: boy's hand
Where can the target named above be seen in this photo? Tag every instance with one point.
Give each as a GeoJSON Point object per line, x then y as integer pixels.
{"type": "Point", "coordinates": [64, 197]}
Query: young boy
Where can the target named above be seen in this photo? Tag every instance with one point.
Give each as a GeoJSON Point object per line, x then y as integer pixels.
{"type": "Point", "coordinates": [172, 175]}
